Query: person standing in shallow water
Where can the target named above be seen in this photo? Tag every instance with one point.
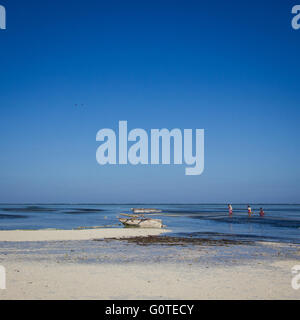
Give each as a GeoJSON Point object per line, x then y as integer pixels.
{"type": "Point", "coordinates": [261, 212]}
{"type": "Point", "coordinates": [249, 211]}
{"type": "Point", "coordinates": [230, 210]}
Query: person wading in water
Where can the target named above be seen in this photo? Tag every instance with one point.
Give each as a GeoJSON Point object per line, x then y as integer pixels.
{"type": "Point", "coordinates": [261, 212]}
{"type": "Point", "coordinates": [249, 211]}
{"type": "Point", "coordinates": [230, 210]}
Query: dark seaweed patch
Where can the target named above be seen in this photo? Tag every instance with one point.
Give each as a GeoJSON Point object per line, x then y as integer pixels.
{"type": "Point", "coordinates": [177, 241]}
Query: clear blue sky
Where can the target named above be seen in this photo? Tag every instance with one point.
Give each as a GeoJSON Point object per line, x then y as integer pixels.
{"type": "Point", "coordinates": [230, 67]}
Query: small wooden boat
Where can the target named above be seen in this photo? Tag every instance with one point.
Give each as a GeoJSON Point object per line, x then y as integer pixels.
{"type": "Point", "coordinates": [145, 210]}
{"type": "Point", "coordinates": [138, 221]}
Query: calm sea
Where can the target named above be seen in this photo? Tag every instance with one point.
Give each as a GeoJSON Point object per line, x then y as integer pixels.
{"type": "Point", "coordinates": [280, 223]}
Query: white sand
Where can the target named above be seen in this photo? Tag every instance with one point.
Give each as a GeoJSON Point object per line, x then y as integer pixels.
{"type": "Point", "coordinates": [86, 234]}
{"type": "Point", "coordinates": [34, 273]}
{"type": "Point", "coordinates": [49, 280]}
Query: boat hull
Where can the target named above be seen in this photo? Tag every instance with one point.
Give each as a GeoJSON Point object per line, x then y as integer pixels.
{"type": "Point", "coordinates": [145, 210]}
{"type": "Point", "coordinates": [142, 223]}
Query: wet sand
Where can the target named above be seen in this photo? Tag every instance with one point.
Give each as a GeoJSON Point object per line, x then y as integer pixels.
{"type": "Point", "coordinates": [152, 267]}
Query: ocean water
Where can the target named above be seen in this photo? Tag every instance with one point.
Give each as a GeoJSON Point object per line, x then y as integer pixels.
{"type": "Point", "coordinates": [280, 223]}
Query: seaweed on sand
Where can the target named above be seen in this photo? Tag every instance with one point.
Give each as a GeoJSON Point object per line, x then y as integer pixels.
{"type": "Point", "coordinates": [177, 241]}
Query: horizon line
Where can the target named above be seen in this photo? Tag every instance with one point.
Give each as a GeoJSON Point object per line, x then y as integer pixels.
{"type": "Point", "coordinates": [142, 203]}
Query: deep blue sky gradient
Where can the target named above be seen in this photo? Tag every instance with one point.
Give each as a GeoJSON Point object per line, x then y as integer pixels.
{"type": "Point", "coordinates": [230, 67]}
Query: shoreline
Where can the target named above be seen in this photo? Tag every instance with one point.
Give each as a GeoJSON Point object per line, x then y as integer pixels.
{"type": "Point", "coordinates": [138, 264]}
{"type": "Point", "coordinates": [84, 234]}
{"type": "Point", "coordinates": [112, 269]}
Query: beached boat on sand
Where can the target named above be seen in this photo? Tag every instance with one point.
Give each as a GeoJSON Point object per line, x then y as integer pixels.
{"type": "Point", "coordinates": [139, 221]}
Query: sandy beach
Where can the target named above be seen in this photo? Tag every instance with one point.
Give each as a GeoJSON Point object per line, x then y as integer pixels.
{"type": "Point", "coordinates": [63, 235]}
{"type": "Point", "coordinates": [142, 267]}
{"type": "Point", "coordinates": [56, 281]}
